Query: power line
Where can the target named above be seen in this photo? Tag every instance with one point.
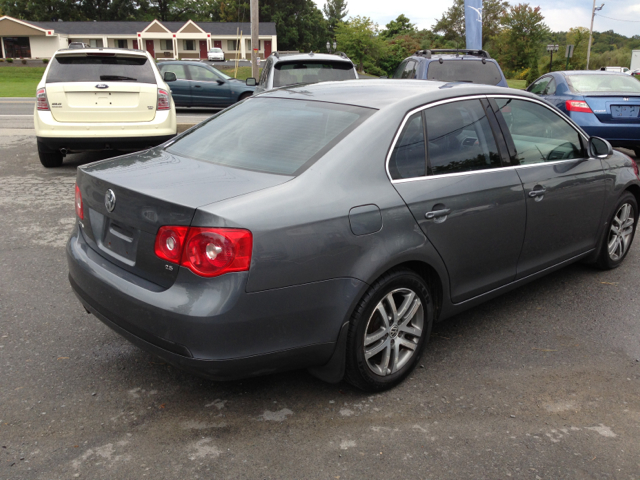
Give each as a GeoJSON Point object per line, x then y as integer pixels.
{"type": "Point", "coordinates": [618, 19]}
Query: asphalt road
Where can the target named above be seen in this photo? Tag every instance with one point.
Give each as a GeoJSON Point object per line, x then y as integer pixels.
{"type": "Point", "coordinates": [543, 383]}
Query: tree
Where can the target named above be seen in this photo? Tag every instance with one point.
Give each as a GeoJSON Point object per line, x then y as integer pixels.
{"type": "Point", "coordinates": [579, 38]}
{"type": "Point", "coordinates": [452, 23]}
{"type": "Point", "coordinates": [335, 11]}
{"type": "Point", "coordinates": [400, 26]}
{"type": "Point", "coordinates": [524, 32]}
{"type": "Point", "coordinates": [42, 10]}
{"type": "Point", "coordinates": [359, 38]}
{"type": "Point", "coordinates": [299, 23]}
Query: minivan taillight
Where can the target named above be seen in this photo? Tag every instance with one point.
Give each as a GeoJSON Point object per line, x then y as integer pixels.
{"type": "Point", "coordinates": [79, 211]}
{"type": "Point", "coordinates": [41, 99]}
{"type": "Point", "coordinates": [208, 252]}
{"type": "Point", "coordinates": [578, 106]}
{"type": "Point", "coordinates": [163, 100]}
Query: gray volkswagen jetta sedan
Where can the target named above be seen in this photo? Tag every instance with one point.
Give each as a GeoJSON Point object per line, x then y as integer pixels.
{"type": "Point", "coordinates": [328, 226]}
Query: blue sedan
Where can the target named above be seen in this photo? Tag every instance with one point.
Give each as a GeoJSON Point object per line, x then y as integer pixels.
{"type": "Point", "coordinates": [604, 104]}
{"type": "Point", "coordinates": [200, 85]}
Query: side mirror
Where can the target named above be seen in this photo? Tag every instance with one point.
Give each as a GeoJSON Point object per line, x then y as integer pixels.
{"type": "Point", "coordinates": [251, 82]}
{"type": "Point", "coordinates": [220, 82]}
{"type": "Point", "coordinates": [599, 148]}
{"type": "Point", "coordinates": [170, 77]}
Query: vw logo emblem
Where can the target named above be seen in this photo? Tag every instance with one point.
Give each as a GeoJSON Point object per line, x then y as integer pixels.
{"type": "Point", "coordinates": [110, 200]}
{"type": "Point", "coordinates": [102, 85]}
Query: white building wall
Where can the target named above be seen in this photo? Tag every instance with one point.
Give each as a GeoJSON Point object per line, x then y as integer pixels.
{"type": "Point", "coordinates": [43, 47]}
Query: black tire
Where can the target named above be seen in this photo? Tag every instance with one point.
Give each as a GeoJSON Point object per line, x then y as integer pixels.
{"type": "Point", "coordinates": [244, 95]}
{"type": "Point", "coordinates": [617, 241]}
{"type": "Point", "coordinates": [367, 317]}
{"type": "Point", "coordinates": [50, 159]}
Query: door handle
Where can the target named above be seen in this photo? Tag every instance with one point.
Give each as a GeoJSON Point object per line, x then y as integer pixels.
{"type": "Point", "coordinates": [437, 213]}
{"type": "Point", "coordinates": [198, 86]}
{"type": "Point", "coordinates": [537, 193]}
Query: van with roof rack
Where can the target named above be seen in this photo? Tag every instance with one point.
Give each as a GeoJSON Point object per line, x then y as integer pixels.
{"type": "Point", "coordinates": [452, 65]}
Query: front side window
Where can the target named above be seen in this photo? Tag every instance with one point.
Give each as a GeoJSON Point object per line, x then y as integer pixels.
{"type": "Point", "coordinates": [539, 86]}
{"type": "Point", "coordinates": [408, 158]}
{"type": "Point", "coordinates": [539, 134]}
{"type": "Point", "coordinates": [460, 138]}
{"type": "Point", "coordinates": [400, 69]}
{"type": "Point", "coordinates": [179, 70]}
{"type": "Point", "coordinates": [265, 73]}
{"type": "Point", "coordinates": [272, 135]}
{"type": "Point", "coordinates": [202, 74]}
{"type": "Point", "coordinates": [409, 70]}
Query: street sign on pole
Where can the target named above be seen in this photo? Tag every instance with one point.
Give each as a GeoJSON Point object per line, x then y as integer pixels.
{"type": "Point", "coordinates": [569, 52]}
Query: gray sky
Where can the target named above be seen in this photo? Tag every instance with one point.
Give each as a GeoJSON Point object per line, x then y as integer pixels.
{"type": "Point", "coordinates": [559, 15]}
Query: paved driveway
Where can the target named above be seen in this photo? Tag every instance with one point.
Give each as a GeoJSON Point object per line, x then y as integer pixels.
{"type": "Point", "coordinates": [543, 383]}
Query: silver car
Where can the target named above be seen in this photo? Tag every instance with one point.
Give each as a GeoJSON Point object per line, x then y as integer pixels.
{"type": "Point", "coordinates": [328, 226]}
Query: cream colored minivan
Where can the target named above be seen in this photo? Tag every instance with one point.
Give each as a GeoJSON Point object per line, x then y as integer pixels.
{"type": "Point", "coordinates": [97, 99]}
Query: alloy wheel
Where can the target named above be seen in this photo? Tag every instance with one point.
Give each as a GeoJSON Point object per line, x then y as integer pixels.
{"type": "Point", "coordinates": [393, 331]}
{"type": "Point", "coordinates": [621, 231]}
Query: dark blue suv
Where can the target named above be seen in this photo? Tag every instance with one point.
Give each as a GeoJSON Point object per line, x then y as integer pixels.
{"type": "Point", "coordinates": [447, 65]}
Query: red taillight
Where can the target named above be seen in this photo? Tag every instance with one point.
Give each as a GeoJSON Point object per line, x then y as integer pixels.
{"type": "Point", "coordinates": [635, 168]}
{"type": "Point", "coordinates": [79, 211]}
{"type": "Point", "coordinates": [163, 100]}
{"type": "Point", "coordinates": [41, 99]}
{"type": "Point", "coordinates": [577, 106]}
{"type": "Point", "coordinates": [208, 252]}
{"type": "Point", "coordinates": [170, 242]}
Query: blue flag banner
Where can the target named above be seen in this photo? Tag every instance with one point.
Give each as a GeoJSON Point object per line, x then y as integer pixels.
{"type": "Point", "coordinates": [473, 23]}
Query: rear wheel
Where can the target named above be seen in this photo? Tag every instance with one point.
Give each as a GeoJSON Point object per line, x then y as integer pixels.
{"type": "Point", "coordinates": [619, 233]}
{"type": "Point", "coordinates": [388, 331]}
{"type": "Point", "coordinates": [244, 95]}
{"type": "Point", "coordinates": [50, 158]}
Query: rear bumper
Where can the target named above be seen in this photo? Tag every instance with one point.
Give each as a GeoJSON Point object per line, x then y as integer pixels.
{"type": "Point", "coordinates": [212, 326]}
{"type": "Point", "coordinates": [617, 134]}
{"type": "Point", "coordinates": [164, 125]}
{"type": "Point", "coordinates": [102, 143]}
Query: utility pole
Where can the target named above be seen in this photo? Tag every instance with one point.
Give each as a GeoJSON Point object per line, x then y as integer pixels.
{"type": "Point", "coordinates": [255, 41]}
{"type": "Point", "coordinates": [593, 14]}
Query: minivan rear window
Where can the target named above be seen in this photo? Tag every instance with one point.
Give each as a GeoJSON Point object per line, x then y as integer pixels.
{"type": "Point", "coordinates": [472, 71]}
{"type": "Point", "coordinates": [100, 68]}
{"type": "Point", "coordinates": [288, 73]}
{"type": "Point", "coordinates": [272, 135]}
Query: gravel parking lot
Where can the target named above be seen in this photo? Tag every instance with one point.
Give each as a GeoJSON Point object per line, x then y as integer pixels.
{"type": "Point", "coordinates": [543, 383]}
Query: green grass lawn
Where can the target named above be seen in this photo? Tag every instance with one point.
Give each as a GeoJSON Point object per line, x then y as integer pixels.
{"type": "Point", "coordinates": [243, 72]}
{"type": "Point", "coordinates": [519, 84]}
{"type": "Point", "coordinates": [19, 81]}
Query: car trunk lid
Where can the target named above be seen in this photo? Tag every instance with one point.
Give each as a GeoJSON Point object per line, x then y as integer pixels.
{"type": "Point", "coordinates": [614, 107]}
{"type": "Point", "coordinates": [153, 189]}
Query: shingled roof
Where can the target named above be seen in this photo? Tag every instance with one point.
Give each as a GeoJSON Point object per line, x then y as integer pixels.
{"type": "Point", "coordinates": [131, 28]}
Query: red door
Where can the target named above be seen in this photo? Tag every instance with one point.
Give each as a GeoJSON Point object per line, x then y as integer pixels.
{"type": "Point", "coordinates": [267, 48]}
{"type": "Point", "coordinates": [217, 43]}
{"type": "Point", "coordinates": [150, 48]}
{"type": "Point", "coordinates": [203, 49]}
{"type": "Point", "coordinates": [134, 44]}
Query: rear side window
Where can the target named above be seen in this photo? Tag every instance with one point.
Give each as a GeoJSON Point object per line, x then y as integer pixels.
{"type": "Point", "coordinates": [179, 70]}
{"type": "Point", "coordinates": [408, 159]}
{"type": "Point", "coordinates": [460, 138]}
{"type": "Point", "coordinates": [100, 68]}
{"type": "Point", "coordinates": [272, 135]}
{"type": "Point", "coordinates": [288, 73]}
{"type": "Point", "coordinates": [472, 71]}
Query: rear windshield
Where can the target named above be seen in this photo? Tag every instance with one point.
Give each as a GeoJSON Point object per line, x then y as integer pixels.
{"type": "Point", "coordinates": [288, 73]}
{"type": "Point", "coordinates": [271, 135]}
{"type": "Point", "coordinates": [100, 68]}
{"type": "Point", "coordinates": [604, 83]}
{"type": "Point", "coordinates": [472, 71]}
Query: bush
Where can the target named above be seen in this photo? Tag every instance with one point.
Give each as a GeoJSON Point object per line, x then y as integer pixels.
{"type": "Point", "coordinates": [23, 61]}
{"type": "Point", "coordinates": [9, 60]}
{"type": "Point", "coordinates": [1, 60]}
{"type": "Point", "coordinates": [45, 60]}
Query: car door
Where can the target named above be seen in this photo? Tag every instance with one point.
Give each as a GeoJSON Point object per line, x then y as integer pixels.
{"type": "Point", "coordinates": [181, 88]}
{"type": "Point", "coordinates": [207, 88]}
{"type": "Point", "coordinates": [565, 189]}
{"type": "Point", "coordinates": [469, 206]}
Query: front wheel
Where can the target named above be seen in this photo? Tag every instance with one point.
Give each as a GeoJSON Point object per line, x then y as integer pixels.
{"type": "Point", "coordinates": [388, 331]}
{"type": "Point", "coordinates": [619, 233]}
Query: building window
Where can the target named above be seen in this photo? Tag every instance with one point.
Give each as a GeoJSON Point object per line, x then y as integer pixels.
{"type": "Point", "coordinates": [189, 44]}
{"type": "Point", "coordinates": [95, 43]}
{"type": "Point", "coordinates": [231, 45]}
{"type": "Point", "coordinates": [17, 47]}
{"type": "Point", "coordinates": [166, 44]}
{"type": "Point", "coordinates": [121, 43]}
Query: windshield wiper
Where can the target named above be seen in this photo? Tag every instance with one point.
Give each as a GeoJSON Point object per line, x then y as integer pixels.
{"type": "Point", "coordinates": [117, 77]}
